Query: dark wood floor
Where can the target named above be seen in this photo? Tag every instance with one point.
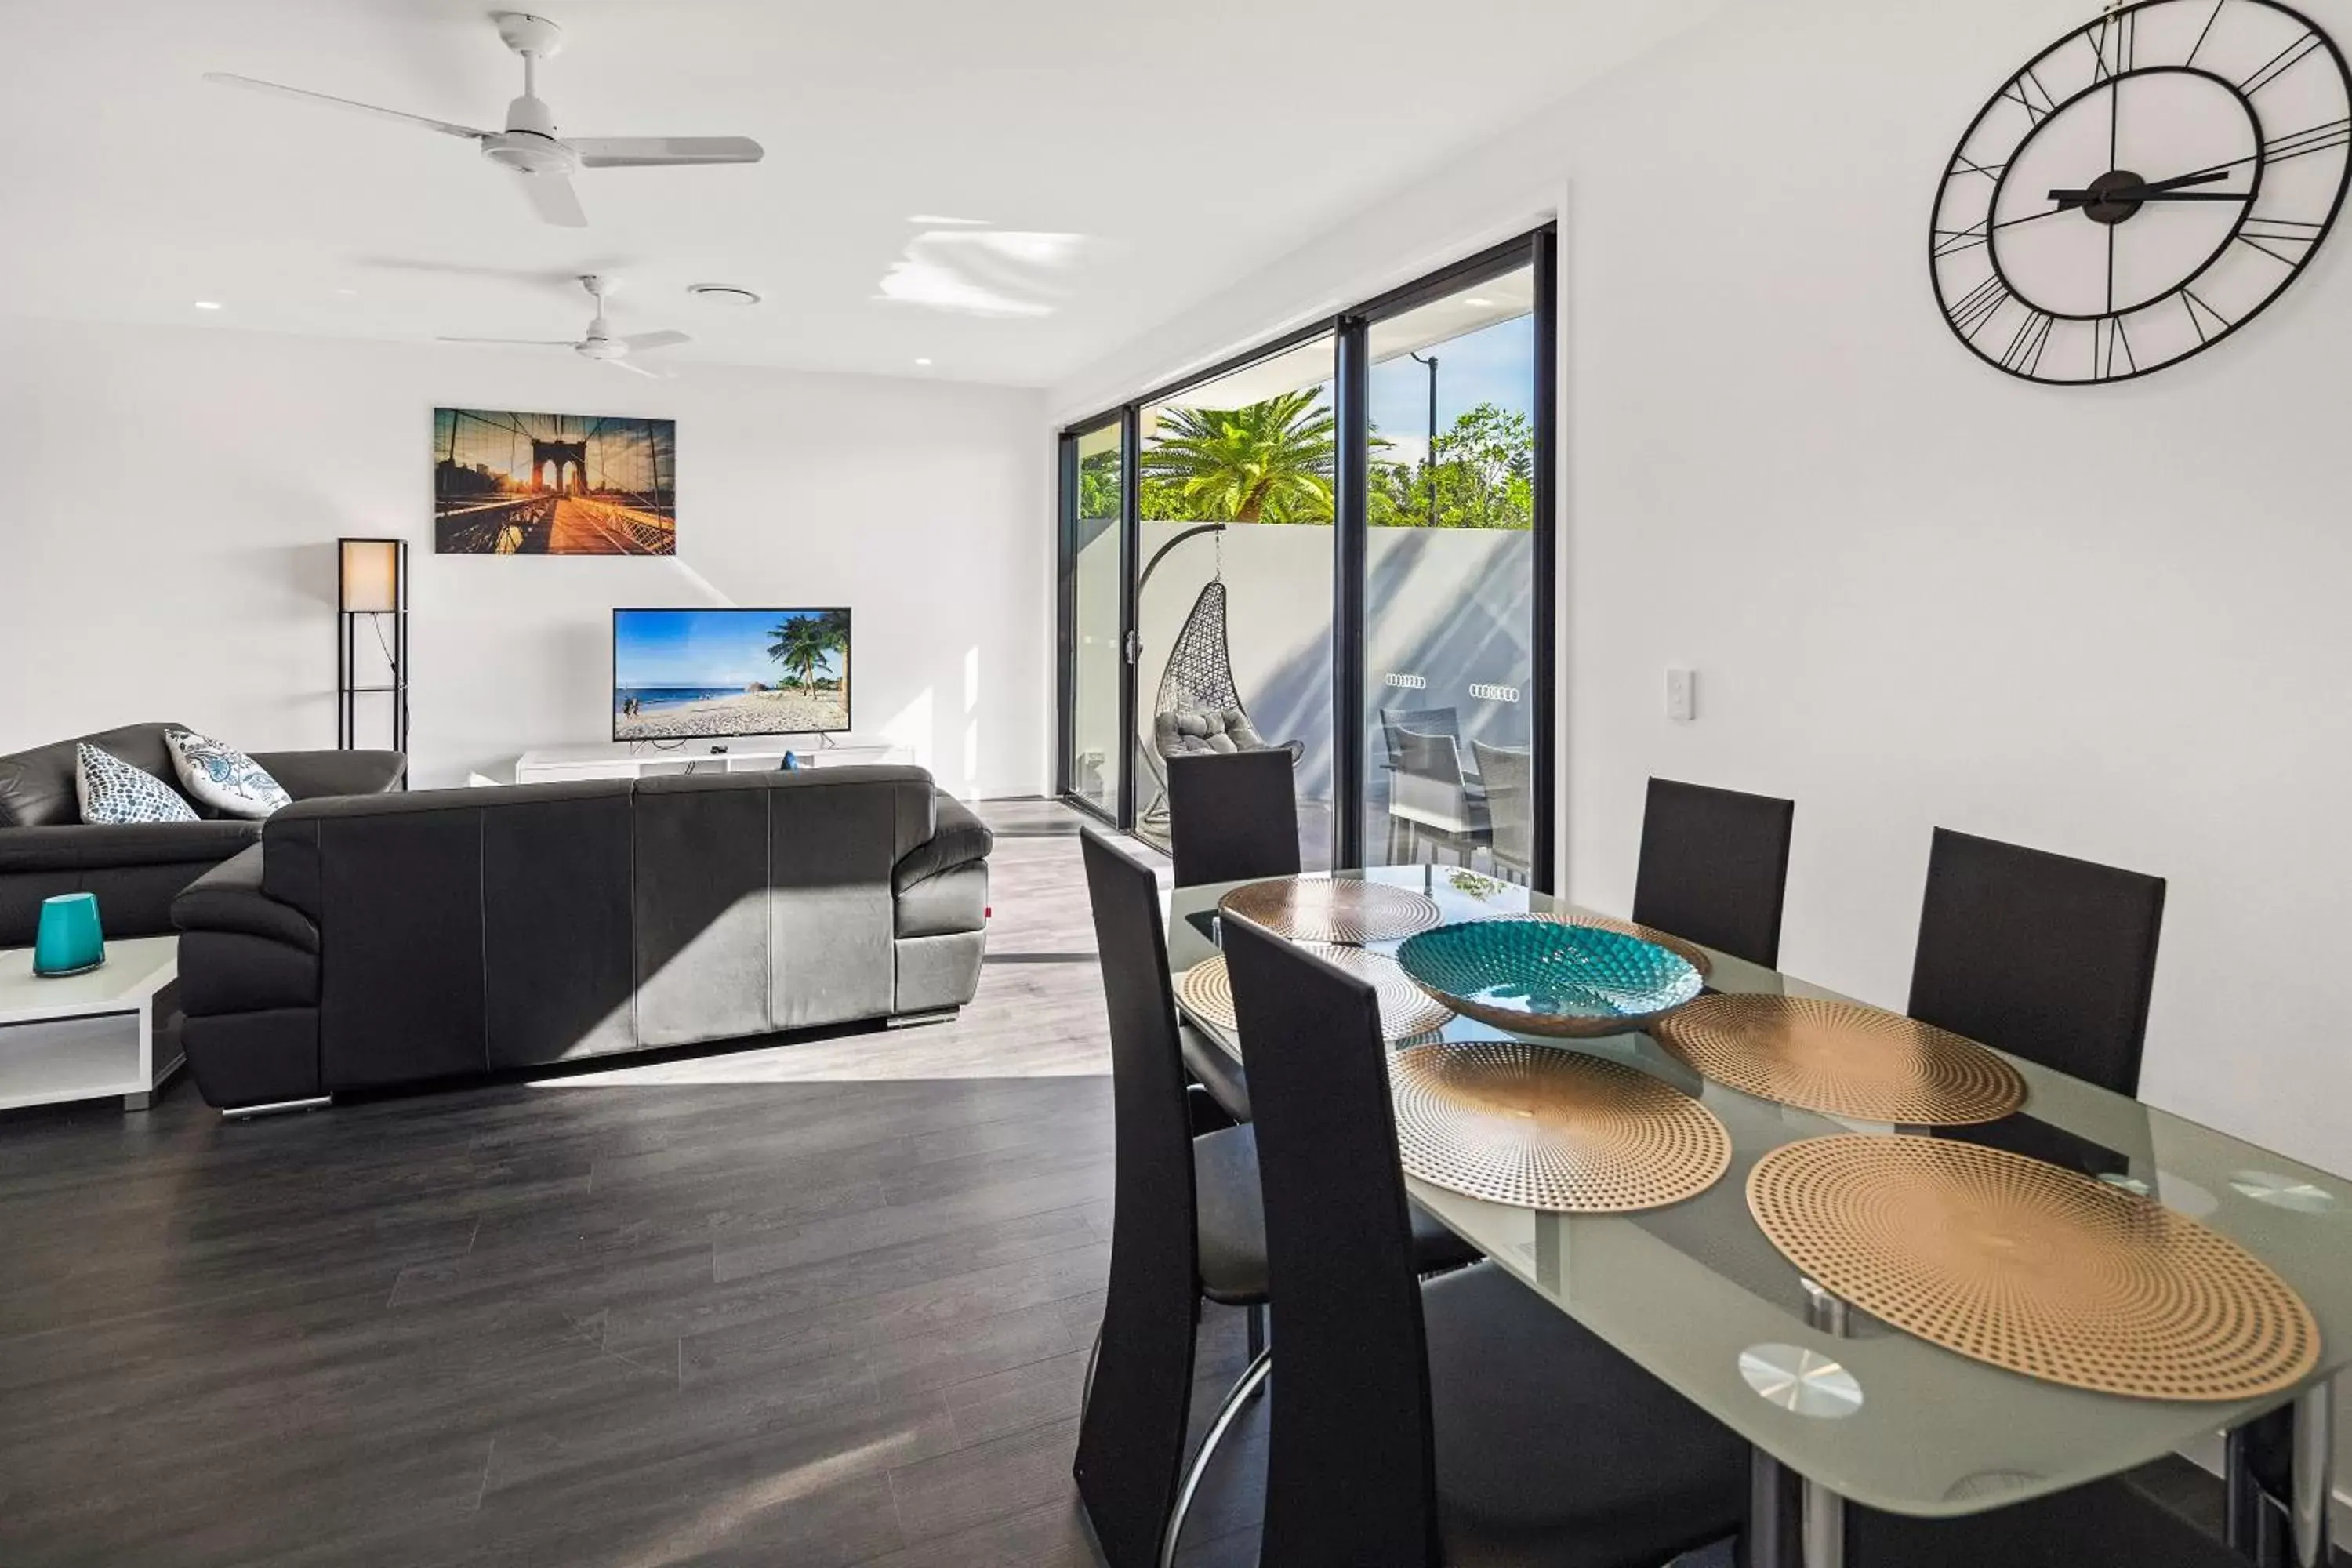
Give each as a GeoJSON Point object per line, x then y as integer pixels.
{"type": "Point", "coordinates": [826, 1304]}
{"type": "Point", "coordinates": [820, 1304]}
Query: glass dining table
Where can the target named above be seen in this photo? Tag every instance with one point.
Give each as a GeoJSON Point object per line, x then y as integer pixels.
{"type": "Point", "coordinates": [1839, 1406]}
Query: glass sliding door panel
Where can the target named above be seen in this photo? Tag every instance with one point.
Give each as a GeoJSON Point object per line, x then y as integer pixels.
{"type": "Point", "coordinates": [1450, 594]}
{"type": "Point", "coordinates": [1235, 493]}
{"type": "Point", "coordinates": [1097, 666]}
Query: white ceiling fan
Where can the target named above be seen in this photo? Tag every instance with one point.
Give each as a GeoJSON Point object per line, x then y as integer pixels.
{"type": "Point", "coordinates": [529, 145]}
{"type": "Point", "coordinates": [600, 343]}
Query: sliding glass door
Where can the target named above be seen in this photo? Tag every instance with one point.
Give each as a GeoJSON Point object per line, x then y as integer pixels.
{"type": "Point", "coordinates": [1094, 570]}
{"type": "Point", "coordinates": [1450, 580]}
{"type": "Point", "coordinates": [1234, 493]}
{"type": "Point", "coordinates": [1340, 545]}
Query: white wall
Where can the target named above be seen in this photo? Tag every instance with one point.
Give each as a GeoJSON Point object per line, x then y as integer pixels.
{"type": "Point", "coordinates": [169, 499]}
{"type": "Point", "coordinates": [2105, 621]}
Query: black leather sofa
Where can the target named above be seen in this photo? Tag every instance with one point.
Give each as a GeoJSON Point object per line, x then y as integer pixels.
{"type": "Point", "coordinates": [450, 933]}
{"type": "Point", "coordinates": [138, 868]}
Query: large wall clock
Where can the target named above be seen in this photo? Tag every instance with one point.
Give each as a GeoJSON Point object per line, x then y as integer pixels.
{"type": "Point", "coordinates": [2143, 189]}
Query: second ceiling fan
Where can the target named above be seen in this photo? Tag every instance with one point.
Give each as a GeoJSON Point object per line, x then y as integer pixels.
{"type": "Point", "coordinates": [542, 159]}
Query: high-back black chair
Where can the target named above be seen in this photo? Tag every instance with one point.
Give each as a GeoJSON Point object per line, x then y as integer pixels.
{"type": "Point", "coordinates": [1461, 1421]}
{"type": "Point", "coordinates": [1233, 816]}
{"type": "Point", "coordinates": [2041, 956]}
{"type": "Point", "coordinates": [1171, 1242]}
{"type": "Point", "coordinates": [1715, 868]}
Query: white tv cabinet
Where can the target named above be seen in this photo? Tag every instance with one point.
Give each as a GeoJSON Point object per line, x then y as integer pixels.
{"type": "Point", "coordinates": [643, 759]}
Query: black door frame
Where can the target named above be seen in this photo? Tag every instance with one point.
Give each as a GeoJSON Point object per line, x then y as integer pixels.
{"type": "Point", "coordinates": [1350, 541]}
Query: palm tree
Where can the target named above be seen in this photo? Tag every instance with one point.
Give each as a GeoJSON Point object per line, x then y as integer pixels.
{"type": "Point", "coordinates": [834, 626]}
{"type": "Point", "coordinates": [800, 645]}
{"type": "Point", "coordinates": [1271, 461]}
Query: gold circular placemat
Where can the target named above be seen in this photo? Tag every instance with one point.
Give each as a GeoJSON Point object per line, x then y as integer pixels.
{"type": "Point", "coordinates": [1688, 951]}
{"type": "Point", "coordinates": [2032, 1268]}
{"type": "Point", "coordinates": [1406, 1010]}
{"type": "Point", "coordinates": [1515, 1122]}
{"type": "Point", "coordinates": [1328, 909]}
{"type": "Point", "coordinates": [1842, 1058]}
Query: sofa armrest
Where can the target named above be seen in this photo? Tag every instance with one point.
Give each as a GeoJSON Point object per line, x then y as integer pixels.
{"type": "Point", "coordinates": [312, 776]}
{"type": "Point", "coordinates": [229, 898]}
{"type": "Point", "coordinates": [88, 846]}
{"type": "Point", "coordinates": [959, 839]}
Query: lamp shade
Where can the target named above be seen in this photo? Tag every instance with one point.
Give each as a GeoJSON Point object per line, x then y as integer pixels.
{"type": "Point", "coordinates": [68, 939]}
{"type": "Point", "coordinates": [371, 575]}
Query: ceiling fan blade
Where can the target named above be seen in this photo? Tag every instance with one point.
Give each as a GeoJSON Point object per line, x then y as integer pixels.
{"type": "Point", "coordinates": [635, 369]}
{"type": "Point", "coordinates": [515, 343]}
{"type": "Point", "coordinates": [640, 342]}
{"type": "Point", "coordinates": [447, 128]}
{"type": "Point", "coordinates": [553, 199]}
{"type": "Point", "coordinates": [653, 152]}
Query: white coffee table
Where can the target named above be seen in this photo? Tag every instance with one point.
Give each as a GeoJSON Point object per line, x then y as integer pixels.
{"type": "Point", "coordinates": [85, 1037]}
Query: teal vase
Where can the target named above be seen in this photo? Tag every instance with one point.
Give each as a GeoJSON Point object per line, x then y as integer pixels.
{"type": "Point", "coordinates": [68, 941]}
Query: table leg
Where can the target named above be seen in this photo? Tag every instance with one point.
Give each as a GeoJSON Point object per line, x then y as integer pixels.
{"type": "Point", "coordinates": [1825, 1510]}
{"type": "Point", "coordinates": [1771, 1539]}
{"type": "Point", "coordinates": [2313, 1460]}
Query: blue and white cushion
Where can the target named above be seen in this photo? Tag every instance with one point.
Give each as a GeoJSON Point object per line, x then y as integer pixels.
{"type": "Point", "coordinates": [222, 776]}
{"type": "Point", "coordinates": [112, 790]}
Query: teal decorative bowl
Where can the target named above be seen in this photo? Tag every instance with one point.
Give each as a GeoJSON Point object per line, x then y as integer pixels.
{"type": "Point", "coordinates": [1535, 976]}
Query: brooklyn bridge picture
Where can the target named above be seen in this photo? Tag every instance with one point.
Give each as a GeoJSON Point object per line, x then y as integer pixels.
{"type": "Point", "coordinates": [552, 484]}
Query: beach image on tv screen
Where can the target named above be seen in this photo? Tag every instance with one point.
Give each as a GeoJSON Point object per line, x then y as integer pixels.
{"type": "Point", "coordinates": [680, 674]}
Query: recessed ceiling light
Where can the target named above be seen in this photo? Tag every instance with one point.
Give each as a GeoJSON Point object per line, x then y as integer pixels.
{"type": "Point", "coordinates": [922, 362]}
{"type": "Point", "coordinates": [723, 294]}
{"type": "Point", "coordinates": [208, 304]}
{"type": "Point", "coordinates": [1476, 303]}
{"type": "Point", "coordinates": [943, 221]}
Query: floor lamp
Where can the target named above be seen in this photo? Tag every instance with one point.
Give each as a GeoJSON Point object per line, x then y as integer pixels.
{"type": "Point", "coordinates": [370, 585]}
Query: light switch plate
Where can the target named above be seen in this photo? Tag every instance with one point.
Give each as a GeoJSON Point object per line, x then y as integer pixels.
{"type": "Point", "coordinates": [1681, 695]}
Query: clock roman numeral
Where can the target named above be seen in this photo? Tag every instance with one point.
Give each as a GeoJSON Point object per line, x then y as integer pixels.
{"type": "Point", "coordinates": [1952, 241]}
{"type": "Point", "coordinates": [2311, 138]}
{"type": "Point", "coordinates": [2111, 346]}
{"type": "Point", "coordinates": [2028, 93]}
{"type": "Point", "coordinates": [2023, 354]}
{"type": "Point", "coordinates": [2200, 314]}
{"type": "Point", "coordinates": [2113, 40]}
{"type": "Point", "coordinates": [1979, 305]}
{"type": "Point", "coordinates": [2285, 60]}
{"type": "Point", "coordinates": [2283, 239]}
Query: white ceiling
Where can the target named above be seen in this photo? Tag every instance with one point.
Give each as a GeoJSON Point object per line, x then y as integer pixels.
{"type": "Point", "coordinates": [1113, 162]}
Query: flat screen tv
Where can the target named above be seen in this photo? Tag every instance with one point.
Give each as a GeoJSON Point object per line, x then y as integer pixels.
{"type": "Point", "coordinates": [691, 674]}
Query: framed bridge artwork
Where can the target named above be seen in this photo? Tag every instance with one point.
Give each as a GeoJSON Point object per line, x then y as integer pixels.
{"type": "Point", "coordinates": [552, 484]}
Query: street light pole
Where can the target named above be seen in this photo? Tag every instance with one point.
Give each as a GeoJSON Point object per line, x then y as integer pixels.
{"type": "Point", "coordinates": [1429, 460]}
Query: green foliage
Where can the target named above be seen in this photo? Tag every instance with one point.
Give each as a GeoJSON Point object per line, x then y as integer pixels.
{"type": "Point", "coordinates": [803, 643]}
{"type": "Point", "coordinates": [1482, 470]}
{"type": "Point", "coordinates": [1099, 485]}
{"type": "Point", "coordinates": [1274, 462]}
{"type": "Point", "coordinates": [1270, 462]}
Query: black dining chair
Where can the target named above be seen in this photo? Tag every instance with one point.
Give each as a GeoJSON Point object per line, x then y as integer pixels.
{"type": "Point", "coordinates": [2044, 957]}
{"type": "Point", "coordinates": [1464, 1420]}
{"type": "Point", "coordinates": [2107, 1525]}
{"type": "Point", "coordinates": [1232, 817]}
{"type": "Point", "coordinates": [1186, 1226]}
{"type": "Point", "coordinates": [1715, 868]}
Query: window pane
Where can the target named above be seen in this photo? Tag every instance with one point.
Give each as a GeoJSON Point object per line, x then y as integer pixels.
{"type": "Point", "coordinates": [1095, 754]}
{"type": "Point", "coordinates": [1236, 495]}
{"type": "Point", "coordinates": [1450, 582]}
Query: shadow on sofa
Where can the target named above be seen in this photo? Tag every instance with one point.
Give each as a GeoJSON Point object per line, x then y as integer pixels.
{"type": "Point", "coordinates": [366, 943]}
{"type": "Point", "coordinates": [138, 868]}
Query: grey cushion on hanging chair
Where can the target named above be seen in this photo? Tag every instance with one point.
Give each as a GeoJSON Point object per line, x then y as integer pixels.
{"type": "Point", "coordinates": [1185, 732]}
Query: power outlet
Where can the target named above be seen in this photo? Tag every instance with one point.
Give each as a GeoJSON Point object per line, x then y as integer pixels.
{"type": "Point", "coordinates": [1681, 695]}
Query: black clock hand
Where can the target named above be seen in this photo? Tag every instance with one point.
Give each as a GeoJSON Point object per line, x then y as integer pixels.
{"type": "Point", "coordinates": [2156, 191]}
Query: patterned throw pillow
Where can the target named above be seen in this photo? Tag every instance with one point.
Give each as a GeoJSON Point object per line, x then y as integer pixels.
{"type": "Point", "coordinates": [112, 790]}
{"type": "Point", "coordinates": [222, 776]}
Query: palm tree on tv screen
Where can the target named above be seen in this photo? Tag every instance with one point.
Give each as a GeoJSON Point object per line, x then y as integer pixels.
{"type": "Point", "coordinates": [800, 645]}
{"type": "Point", "coordinates": [834, 626]}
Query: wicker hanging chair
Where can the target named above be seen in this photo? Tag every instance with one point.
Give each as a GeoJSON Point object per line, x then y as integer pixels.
{"type": "Point", "coordinates": [1197, 681]}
